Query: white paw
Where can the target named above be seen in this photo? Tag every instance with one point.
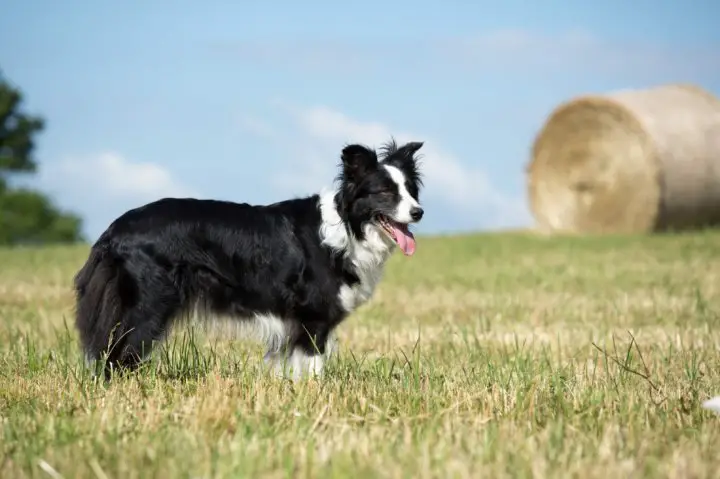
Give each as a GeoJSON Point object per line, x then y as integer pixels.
{"type": "Point", "coordinates": [713, 404]}
{"type": "Point", "coordinates": [297, 365]}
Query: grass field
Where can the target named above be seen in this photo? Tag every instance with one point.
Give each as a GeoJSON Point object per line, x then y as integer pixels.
{"type": "Point", "coordinates": [481, 356]}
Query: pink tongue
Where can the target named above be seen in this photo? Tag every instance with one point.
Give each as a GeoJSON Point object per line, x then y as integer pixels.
{"type": "Point", "coordinates": [405, 240]}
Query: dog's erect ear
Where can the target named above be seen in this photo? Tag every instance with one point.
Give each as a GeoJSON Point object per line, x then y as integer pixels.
{"type": "Point", "coordinates": [409, 149]}
{"type": "Point", "coordinates": [402, 154]}
{"type": "Point", "coordinates": [404, 158]}
{"type": "Point", "coordinates": [357, 161]}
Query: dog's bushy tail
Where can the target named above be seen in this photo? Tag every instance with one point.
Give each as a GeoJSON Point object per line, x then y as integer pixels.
{"type": "Point", "coordinates": [99, 306]}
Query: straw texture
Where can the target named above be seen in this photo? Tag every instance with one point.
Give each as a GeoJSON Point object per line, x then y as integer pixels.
{"type": "Point", "coordinates": [627, 162]}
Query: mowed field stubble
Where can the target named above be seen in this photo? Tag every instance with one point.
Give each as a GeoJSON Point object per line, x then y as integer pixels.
{"type": "Point", "coordinates": [496, 355]}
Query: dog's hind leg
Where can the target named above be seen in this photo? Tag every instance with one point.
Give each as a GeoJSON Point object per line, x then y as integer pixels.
{"type": "Point", "coordinates": [137, 343]}
{"type": "Point", "coordinates": [146, 322]}
{"type": "Point", "coordinates": [147, 300]}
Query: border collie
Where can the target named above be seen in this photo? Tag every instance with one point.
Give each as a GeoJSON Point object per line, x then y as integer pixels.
{"type": "Point", "coordinates": [294, 269]}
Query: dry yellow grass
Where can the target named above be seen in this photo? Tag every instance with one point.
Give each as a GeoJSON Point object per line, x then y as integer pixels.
{"type": "Point", "coordinates": [482, 356]}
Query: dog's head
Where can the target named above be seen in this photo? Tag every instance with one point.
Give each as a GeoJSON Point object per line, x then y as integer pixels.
{"type": "Point", "coordinates": [381, 193]}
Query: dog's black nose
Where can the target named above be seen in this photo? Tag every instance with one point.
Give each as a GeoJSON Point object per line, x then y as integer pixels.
{"type": "Point", "coordinates": [416, 214]}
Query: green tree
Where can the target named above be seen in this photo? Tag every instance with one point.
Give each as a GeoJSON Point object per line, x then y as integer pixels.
{"type": "Point", "coordinates": [26, 216]}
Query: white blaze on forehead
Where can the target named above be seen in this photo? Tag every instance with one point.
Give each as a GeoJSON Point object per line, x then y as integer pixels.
{"type": "Point", "coordinates": [407, 202]}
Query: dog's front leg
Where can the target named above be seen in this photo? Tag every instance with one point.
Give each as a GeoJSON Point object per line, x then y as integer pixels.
{"type": "Point", "coordinates": [295, 365]}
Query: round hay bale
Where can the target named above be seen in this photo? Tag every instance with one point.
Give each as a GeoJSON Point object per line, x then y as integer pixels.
{"type": "Point", "coordinates": [627, 162]}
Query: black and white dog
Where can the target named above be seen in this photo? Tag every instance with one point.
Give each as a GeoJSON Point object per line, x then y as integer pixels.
{"type": "Point", "coordinates": [295, 268]}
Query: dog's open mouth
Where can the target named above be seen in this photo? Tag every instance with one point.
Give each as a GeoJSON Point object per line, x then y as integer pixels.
{"type": "Point", "coordinates": [399, 233]}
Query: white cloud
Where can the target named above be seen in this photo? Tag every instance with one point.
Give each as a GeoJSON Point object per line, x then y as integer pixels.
{"type": "Point", "coordinates": [109, 175]}
{"type": "Point", "coordinates": [100, 187]}
{"type": "Point", "coordinates": [322, 131]}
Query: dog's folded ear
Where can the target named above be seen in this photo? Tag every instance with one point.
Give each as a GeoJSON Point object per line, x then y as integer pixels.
{"type": "Point", "coordinates": [357, 161]}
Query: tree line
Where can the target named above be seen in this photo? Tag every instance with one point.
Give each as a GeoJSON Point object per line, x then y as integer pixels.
{"type": "Point", "coordinates": [26, 216]}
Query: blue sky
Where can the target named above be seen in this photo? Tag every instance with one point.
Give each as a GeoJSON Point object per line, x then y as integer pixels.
{"type": "Point", "coordinates": [240, 101]}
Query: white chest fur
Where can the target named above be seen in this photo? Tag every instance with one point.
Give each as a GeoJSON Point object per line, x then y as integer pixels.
{"type": "Point", "coordinates": [368, 263]}
{"type": "Point", "coordinates": [367, 257]}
